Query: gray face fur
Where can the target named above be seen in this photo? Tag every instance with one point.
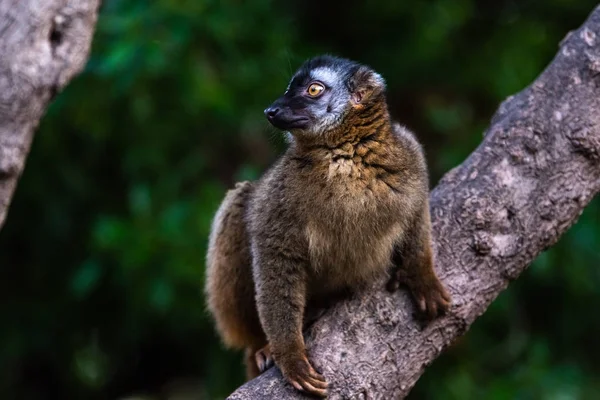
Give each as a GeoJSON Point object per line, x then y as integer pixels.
{"type": "Point", "coordinates": [344, 81]}
{"type": "Point", "coordinates": [335, 102]}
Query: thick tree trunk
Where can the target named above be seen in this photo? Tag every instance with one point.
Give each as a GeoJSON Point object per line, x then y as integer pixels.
{"type": "Point", "coordinates": [43, 44]}
{"type": "Point", "coordinates": [519, 191]}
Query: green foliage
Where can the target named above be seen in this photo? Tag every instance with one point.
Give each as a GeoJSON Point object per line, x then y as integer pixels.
{"type": "Point", "coordinates": [103, 250]}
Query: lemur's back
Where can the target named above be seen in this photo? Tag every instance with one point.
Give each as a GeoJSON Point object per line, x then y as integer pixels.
{"type": "Point", "coordinates": [229, 285]}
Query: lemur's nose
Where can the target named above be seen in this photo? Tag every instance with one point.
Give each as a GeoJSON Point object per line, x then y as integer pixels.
{"type": "Point", "coordinates": [271, 112]}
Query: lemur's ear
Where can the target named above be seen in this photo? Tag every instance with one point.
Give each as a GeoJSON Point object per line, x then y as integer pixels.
{"type": "Point", "coordinates": [365, 84]}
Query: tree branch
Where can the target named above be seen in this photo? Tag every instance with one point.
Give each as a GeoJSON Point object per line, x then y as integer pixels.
{"type": "Point", "coordinates": [43, 45]}
{"type": "Point", "coordinates": [528, 181]}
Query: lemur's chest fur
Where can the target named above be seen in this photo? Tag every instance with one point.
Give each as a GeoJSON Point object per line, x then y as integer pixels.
{"type": "Point", "coordinates": [353, 236]}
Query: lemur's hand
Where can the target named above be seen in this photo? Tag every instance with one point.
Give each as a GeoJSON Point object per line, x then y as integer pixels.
{"type": "Point", "coordinates": [297, 370]}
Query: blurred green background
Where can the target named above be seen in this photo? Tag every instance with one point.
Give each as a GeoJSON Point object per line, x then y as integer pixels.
{"type": "Point", "coordinates": [103, 251]}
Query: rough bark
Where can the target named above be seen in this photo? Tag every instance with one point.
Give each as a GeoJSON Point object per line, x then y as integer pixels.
{"type": "Point", "coordinates": [43, 44]}
{"type": "Point", "coordinates": [528, 181]}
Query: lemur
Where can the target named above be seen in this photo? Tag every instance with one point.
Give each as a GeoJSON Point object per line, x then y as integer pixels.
{"type": "Point", "coordinates": [346, 203]}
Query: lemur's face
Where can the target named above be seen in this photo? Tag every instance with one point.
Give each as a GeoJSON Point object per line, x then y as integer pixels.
{"type": "Point", "coordinates": [321, 93]}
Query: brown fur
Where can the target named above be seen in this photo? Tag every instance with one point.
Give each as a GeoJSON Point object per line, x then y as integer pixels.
{"type": "Point", "coordinates": [335, 212]}
{"type": "Point", "coordinates": [230, 287]}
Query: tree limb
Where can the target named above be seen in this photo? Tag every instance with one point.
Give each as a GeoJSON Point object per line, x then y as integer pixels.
{"type": "Point", "coordinates": [43, 45]}
{"type": "Point", "coordinates": [528, 181]}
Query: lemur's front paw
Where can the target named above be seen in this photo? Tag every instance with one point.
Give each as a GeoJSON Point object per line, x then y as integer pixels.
{"type": "Point", "coordinates": [430, 295]}
{"type": "Point", "coordinates": [298, 371]}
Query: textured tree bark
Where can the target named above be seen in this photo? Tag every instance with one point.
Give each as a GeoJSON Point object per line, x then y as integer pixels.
{"type": "Point", "coordinates": [43, 44]}
{"type": "Point", "coordinates": [536, 169]}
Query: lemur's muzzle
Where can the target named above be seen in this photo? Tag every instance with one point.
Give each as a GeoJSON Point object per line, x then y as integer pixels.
{"type": "Point", "coordinates": [285, 118]}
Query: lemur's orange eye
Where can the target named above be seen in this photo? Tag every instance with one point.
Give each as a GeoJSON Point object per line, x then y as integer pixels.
{"type": "Point", "coordinates": [315, 89]}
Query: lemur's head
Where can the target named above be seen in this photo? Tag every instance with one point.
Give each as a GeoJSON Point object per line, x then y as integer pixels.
{"type": "Point", "coordinates": [323, 93]}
